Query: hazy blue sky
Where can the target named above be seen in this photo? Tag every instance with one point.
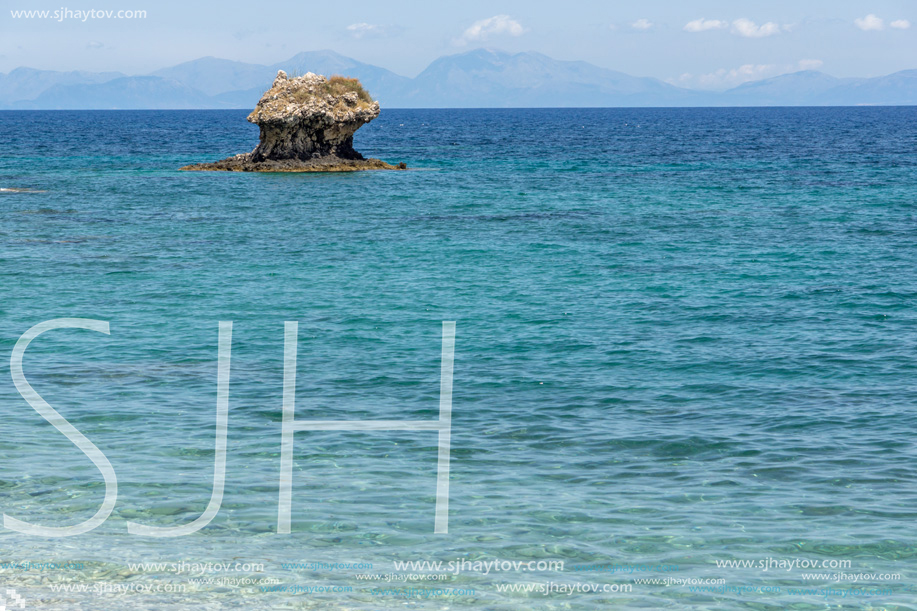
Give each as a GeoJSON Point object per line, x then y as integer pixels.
{"type": "Point", "coordinates": [710, 43]}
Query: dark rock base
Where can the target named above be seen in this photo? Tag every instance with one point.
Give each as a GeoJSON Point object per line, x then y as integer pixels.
{"type": "Point", "coordinates": [244, 163]}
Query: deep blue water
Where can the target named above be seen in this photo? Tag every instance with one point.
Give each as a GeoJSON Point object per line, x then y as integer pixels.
{"type": "Point", "coordinates": [683, 336]}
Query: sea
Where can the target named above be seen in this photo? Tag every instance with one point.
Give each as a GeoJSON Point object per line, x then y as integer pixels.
{"type": "Point", "coordinates": [685, 362]}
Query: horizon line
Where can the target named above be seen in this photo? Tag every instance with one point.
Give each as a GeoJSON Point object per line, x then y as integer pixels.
{"type": "Point", "coordinates": [724, 107]}
{"type": "Point", "coordinates": [468, 52]}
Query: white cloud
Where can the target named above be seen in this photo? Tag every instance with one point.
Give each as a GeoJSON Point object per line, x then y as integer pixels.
{"type": "Point", "coordinates": [370, 30]}
{"type": "Point", "coordinates": [642, 24]}
{"type": "Point", "coordinates": [726, 78]}
{"type": "Point", "coordinates": [359, 30]}
{"type": "Point", "coordinates": [701, 25]}
{"type": "Point", "coordinates": [95, 44]}
{"type": "Point", "coordinates": [870, 22]}
{"type": "Point", "coordinates": [740, 27]}
{"type": "Point", "coordinates": [736, 76]}
{"type": "Point", "coordinates": [810, 64]}
{"type": "Point", "coordinates": [749, 29]}
{"type": "Point", "coordinates": [485, 28]}
{"type": "Point", "coordinates": [900, 24]}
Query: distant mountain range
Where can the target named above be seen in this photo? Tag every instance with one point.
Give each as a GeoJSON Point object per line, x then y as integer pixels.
{"type": "Point", "coordinates": [479, 78]}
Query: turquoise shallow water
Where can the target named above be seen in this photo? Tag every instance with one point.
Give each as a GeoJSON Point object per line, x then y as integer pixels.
{"type": "Point", "coordinates": [683, 337]}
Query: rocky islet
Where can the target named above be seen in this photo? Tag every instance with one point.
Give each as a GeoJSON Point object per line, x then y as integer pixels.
{"type": "Point", "coordinates": [307, 124]}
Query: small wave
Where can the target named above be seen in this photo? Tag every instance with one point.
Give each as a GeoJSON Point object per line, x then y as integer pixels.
{"type": "Point", "coordinates": [13, 190]}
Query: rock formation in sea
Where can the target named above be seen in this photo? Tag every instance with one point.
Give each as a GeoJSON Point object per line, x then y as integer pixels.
{"type": "Point", "coordinates": [307, 125]}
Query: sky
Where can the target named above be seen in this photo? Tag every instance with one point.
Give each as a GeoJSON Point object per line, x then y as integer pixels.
{"type": "Point", "coordinates": [710, 44]}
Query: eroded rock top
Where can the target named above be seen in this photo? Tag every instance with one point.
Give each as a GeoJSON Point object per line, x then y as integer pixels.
{"type": "Point", "coordinates": [314, 98]}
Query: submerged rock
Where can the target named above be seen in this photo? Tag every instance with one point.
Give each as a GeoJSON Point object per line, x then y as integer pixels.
{"type": "Point", "coordinates": [307, 125]}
